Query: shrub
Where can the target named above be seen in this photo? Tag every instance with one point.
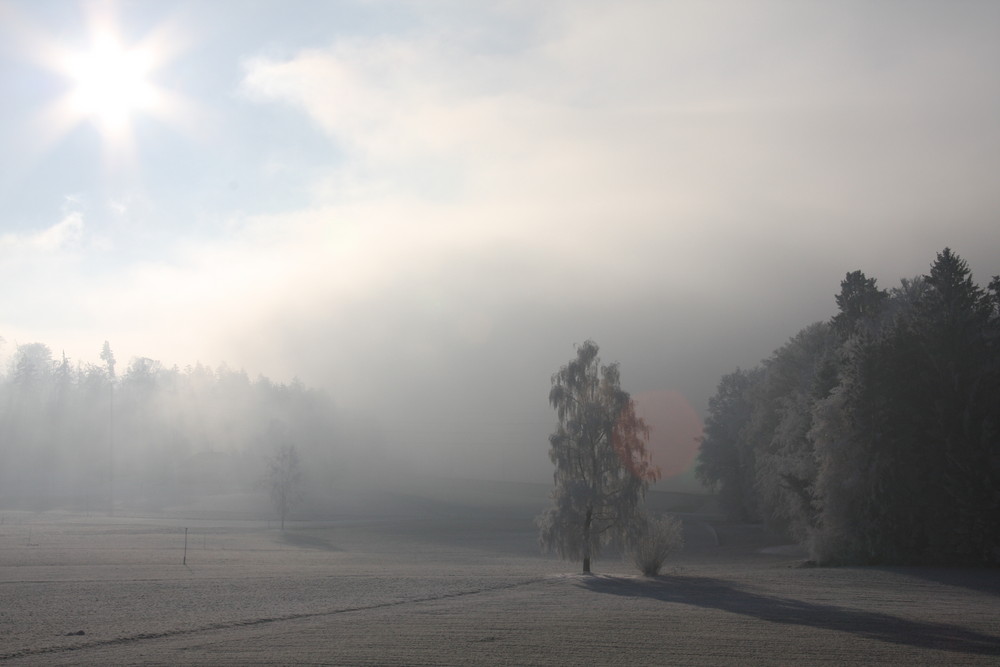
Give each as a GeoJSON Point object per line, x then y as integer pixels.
{"type": "Point", "coordinates": [656, 540]}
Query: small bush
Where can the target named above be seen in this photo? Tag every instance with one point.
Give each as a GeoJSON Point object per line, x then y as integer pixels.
{"type": "Point", "coordinates": [657, 539]}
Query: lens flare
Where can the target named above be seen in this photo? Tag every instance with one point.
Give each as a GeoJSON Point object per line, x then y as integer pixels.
{"type": "Point", "coordinates": [675, 430]}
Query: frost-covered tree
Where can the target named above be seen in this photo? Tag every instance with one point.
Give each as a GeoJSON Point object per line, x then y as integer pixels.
{"type": "Point", "coordinates": [874, 437]}
{"type": "Point", "coordinates": [656, 540]}
{"type": "Point", "coordinates": [283, 479]}
{"type": "Point", "coordinates": [174, 435]}
{"type": "Point", "coordinates": [794, 378]}
{"type": "Point", "coordinates": [873, 484]}
{"type": "Point", "coordinates": [908, 442]}
{"type": "Point", "coordinates": [108, 357]}
{"type": "Point", "coordinates": [755, 451]}
{"type": "Point", "coordinates": [726, 461]}
{"type": "Point", "coordinates": [602, 466]}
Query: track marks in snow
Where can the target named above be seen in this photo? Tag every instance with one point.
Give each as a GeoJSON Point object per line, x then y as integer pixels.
{"type": "Point", "coordinates": [166, 634]}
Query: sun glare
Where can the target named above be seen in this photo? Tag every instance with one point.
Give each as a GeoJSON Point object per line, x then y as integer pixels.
{"type": "Point", "coordinates": [111, 84]}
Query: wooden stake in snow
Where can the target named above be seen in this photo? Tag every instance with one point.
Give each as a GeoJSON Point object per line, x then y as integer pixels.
{"type": "Point", "coordinates": [185, 561]}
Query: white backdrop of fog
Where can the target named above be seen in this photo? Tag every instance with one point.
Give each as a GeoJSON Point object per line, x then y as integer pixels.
{"type": "Point", "coordinates": [423, 216]}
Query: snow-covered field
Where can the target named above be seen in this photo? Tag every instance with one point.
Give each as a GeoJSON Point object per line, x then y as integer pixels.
{"type": "Point", "coordinates": [432, 588]}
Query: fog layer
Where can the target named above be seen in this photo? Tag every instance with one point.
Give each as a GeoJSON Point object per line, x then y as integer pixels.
{"type": "Point", "coordinates": [421, 208]}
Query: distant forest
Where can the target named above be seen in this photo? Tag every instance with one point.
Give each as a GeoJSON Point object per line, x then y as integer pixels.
{"type": "Point", "coordinates": [874, 437]}
{"type": "Point", "coordinates": [84, 436]}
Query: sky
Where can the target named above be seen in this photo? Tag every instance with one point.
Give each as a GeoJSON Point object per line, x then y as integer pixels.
{"type": "Point", "coordinates": [422, 206]}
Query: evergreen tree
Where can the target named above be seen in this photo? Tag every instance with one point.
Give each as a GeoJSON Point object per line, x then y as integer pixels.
{"type": "Point", "coordinates": [908, 440]}
{"type": "Point", "coordinates": [876, 438]}
{"type": "Point", "coordinates": [859, 301]}
{"type": "Point", "coordinates": [726, 460]}
{"type": "Point", "coordinates": [961, 377]}
{"type": "Point", "coordinates": [795, 377]}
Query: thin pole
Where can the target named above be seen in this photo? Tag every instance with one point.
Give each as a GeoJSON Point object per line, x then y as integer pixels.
{"type": "Point", "coordinates": [111, 450]}
{"type": "Point", "coordinates": [185, 561]}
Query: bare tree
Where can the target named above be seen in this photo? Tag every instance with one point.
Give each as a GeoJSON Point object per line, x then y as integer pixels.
{"type": "Point", "coordinates": [657, 539]}
{"type": "Point", "coordinates": [282, 479]}
{"type": "Point", "coordinates": [602, 466]}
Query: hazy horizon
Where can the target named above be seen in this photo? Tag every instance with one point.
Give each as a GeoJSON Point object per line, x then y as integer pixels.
{"type": "Point", "coordinates": [421, 208]}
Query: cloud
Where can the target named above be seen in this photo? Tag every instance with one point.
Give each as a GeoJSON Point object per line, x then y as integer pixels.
{"type": "Point", "coordinates": [672, 124]}
{"type": "Point", "coordinates": [63, 235]}
{"type": "Point", "coordinates": [647, 148]}
{"type": "Point", "coordinates": [684, 182]}
{"type": "Point", "coordinates": [664, 177]}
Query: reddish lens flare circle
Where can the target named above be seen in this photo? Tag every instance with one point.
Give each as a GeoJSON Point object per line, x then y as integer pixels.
{"type": "Point", "coordinates": [675, 429]}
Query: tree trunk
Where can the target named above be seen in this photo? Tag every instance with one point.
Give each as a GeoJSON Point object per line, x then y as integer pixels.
{"type": "Point", "coordinates": [586, 540]}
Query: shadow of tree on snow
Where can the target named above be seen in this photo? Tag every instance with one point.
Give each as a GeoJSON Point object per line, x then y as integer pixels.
{"type": "Point", "coordinates": [981, 580]}
{"type": "Point", "coordinates": [724, 595]}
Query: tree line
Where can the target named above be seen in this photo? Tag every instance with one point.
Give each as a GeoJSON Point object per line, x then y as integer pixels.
{"type": "Point", "coordinates": [90, 436]}
{"type": "Point", "coordinates": [874, 437]}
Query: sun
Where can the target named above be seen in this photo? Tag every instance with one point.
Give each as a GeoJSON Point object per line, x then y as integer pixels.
{"type": "Point", "coordinates": [111, 84]}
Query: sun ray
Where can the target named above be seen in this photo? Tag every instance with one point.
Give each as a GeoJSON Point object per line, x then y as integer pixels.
{"type": "Point", "coordinates": [110, 83]}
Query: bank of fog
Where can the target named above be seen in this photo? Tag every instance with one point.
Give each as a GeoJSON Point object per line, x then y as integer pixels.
{"type": "Point", "coordinates": [92, 437]}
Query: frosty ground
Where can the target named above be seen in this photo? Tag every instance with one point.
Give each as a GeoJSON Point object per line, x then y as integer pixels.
{"type": "Point", "coordinates": [428, 579]}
